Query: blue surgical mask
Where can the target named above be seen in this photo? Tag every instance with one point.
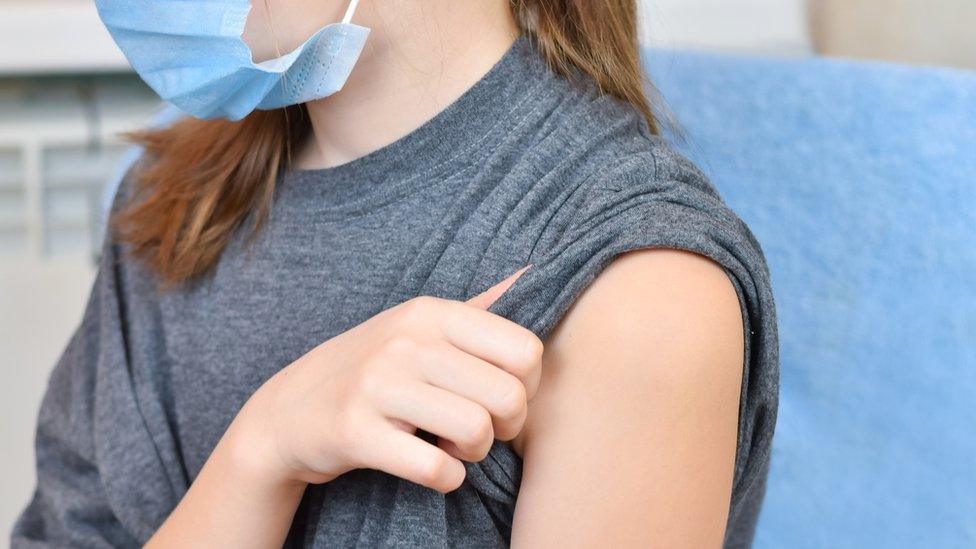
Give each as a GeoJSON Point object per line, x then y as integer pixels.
{"type": "Point", "coordinates": [192, 54]}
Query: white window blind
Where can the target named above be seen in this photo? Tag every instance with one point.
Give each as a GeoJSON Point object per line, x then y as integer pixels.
{"type": "Point", "coordinates": [59, 145]}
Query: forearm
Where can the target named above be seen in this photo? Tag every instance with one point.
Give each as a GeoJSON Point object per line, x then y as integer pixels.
{"type": "Point", "coordinates": [231, 505]}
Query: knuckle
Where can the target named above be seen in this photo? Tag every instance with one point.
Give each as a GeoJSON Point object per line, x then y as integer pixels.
{"type": "Point", "coordinates": [479, 429]}
{"type": "Point", "coordinates": [400, 345]}
{"type": "Point", "coordinates": [371, 382]}
{"type": "Point", "coordinates": [432, 468]}
{"type": "Point", "coordinates": [533, 349]}
{"type": "Point", "coordinates": [530, 356]}
{"type": "Point", "coordinates": [349, 436]}
{"type": "Point", "coordinates": [513, 401]}
{"type": "Point", "coordinates": [420, 307]}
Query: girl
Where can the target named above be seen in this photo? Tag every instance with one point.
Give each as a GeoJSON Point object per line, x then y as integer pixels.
{"type": "Point", "coordinates": [298, 336]}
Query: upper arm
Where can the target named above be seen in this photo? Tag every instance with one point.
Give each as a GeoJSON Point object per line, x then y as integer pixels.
{"type": "Point", "coordinates": [631, 439]}
{"type": "Point", "coordinates": [70, 505]}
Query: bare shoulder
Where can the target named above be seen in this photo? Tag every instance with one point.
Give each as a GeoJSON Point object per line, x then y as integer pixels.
{"type": "Point", "coordinates": [638, 408]}
{"type": "Point", "coordinates": [673, 301]}
{"type": "Point", "coordinates": [669, 296]}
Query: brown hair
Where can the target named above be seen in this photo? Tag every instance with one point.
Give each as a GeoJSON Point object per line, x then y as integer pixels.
{"type": "Point", "coordinates": [207, 178]}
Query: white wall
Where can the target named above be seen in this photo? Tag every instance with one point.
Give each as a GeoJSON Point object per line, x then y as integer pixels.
{"type": "Point", "coordinates": [40, 304]}
{"type": "Point", "coordinates": [912, 31]}
{"type": "Point", "coordinates": [73, 38]}
{"type": "Point", "coordinates": [769, 27]}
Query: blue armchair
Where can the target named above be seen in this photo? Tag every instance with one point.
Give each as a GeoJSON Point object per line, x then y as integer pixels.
{"type": "Point", "coordinates": [859, 180]}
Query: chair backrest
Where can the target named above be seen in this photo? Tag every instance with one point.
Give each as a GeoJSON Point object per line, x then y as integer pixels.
{"type": "Point", "coordinates": [859, 180]}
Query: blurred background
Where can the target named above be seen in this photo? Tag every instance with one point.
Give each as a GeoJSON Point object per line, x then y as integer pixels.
{"type": "Point", "coordinates": [66, 94]}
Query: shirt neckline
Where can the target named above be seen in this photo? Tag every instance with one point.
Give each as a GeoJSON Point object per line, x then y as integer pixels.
{"type": "Point", "coordinates": [444, 143]}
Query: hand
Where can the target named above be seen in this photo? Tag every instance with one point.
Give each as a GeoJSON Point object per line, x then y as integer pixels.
{"type": "Point", "coordinates": [356, 401]}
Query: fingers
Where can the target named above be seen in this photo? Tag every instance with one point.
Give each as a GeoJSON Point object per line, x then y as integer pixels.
{"type": "Point", "coordinates": [497, 340]}
{"type": "Point", "coordinates": [411, 458]}
{"type": "Point", "coordinates": [477, 372]}
{"type": "Point", "coordinates": [477, 332]}
{"type": "Point", "coordinates": [442, 413]}
{"type": "Point", "coordinates": [485, 299]}
{"type": "Point", "coordinates": [503, 395]}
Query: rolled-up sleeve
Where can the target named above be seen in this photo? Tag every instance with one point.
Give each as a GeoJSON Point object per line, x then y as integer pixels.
{"type": "Point", "coordinates": [637, 206]}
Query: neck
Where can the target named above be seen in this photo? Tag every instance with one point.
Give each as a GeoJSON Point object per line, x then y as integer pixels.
{"type": "Point", "coordinates": [420, 58]}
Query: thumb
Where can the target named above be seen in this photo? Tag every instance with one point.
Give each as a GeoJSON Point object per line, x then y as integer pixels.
{"type": "Point", "coordinates": [485, 299]}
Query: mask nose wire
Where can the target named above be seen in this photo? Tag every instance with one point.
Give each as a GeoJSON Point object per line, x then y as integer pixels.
{"type": "Point", "coordinates": [350, 11]}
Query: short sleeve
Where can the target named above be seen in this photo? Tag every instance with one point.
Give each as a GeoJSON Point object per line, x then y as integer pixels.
{"type": "Point", "coordinates": [93, 436]}
{"type": "Point", "coordinates": [70, 506]}
{"type": "Point", "coordinates": [665, 202]}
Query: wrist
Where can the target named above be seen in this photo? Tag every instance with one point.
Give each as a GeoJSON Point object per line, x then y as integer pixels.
{"type": "Point", "coordinates": [249, 449]}
{"type": "Point", "coordinates": [232, 502]}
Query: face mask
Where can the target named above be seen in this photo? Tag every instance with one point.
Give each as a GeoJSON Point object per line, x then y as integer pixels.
{"type": "Point", "coordinates": [192, 54]}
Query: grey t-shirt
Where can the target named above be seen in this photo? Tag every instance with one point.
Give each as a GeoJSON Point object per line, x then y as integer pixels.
{"type": "Point", "coordinates": [524, 168]}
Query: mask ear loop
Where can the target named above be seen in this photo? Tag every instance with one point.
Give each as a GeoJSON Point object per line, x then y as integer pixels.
{"type": "Point", "coordinates": [271, 26]}
{"type": "Point", "coordinates": [347, 18]}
